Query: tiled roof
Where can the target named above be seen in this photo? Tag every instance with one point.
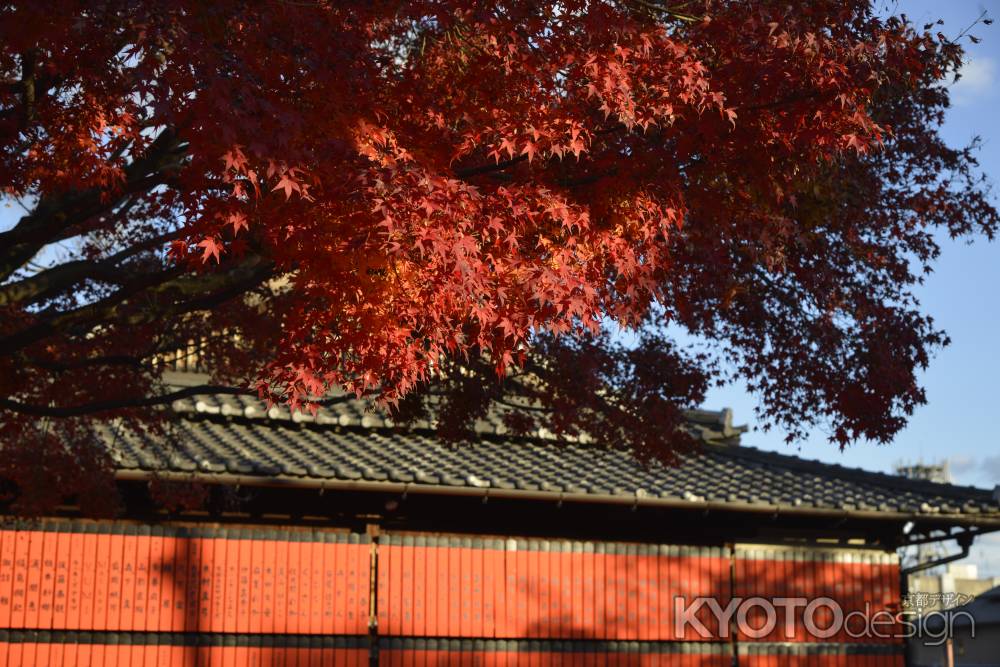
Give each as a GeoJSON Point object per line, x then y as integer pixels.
{"type": "Point", "coordinates": [344, 445]}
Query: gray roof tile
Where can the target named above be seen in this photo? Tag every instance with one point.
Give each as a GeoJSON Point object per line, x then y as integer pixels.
{"type": "Point", "coordinates": [239, 435]}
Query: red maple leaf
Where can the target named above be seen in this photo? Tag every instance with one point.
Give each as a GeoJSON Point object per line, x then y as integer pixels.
{"type": "Point", "coordinates": [211, 247]}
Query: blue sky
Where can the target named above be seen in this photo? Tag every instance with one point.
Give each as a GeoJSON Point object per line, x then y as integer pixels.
{"type": "Point", "coordinates": [961, 421]}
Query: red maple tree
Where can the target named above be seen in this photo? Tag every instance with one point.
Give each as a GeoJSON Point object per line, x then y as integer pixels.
{"type": "Point", "coordinates": [461, 202]}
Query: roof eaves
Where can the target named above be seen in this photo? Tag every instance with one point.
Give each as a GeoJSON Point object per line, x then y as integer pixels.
{"type": "Point", "coordinates": [634, 500]}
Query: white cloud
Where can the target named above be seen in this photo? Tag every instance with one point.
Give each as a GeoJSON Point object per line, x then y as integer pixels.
{"type": "Point", "coordinates": [979, 80]}
{"type": "Point", "coordinates": [984, 472]}
{"type": "Point", "coordinates": [960, 465]}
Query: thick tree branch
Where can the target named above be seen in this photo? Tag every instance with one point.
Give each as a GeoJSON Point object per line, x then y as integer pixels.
{"type": "Point", "coordinates": [87, 362]}
{"type": "Point", "coordinates": [120, 404]}
{"type": "Point", "coordinates": [166, 294]}
{"type": "Point", "coordinates": [63, 277]}
{"type": "Point", "coordinates": [28, 60]}
{"type": "Point", "coordinates": [58, 216]}
{"type": "Point", "coordinates": [97, 407]}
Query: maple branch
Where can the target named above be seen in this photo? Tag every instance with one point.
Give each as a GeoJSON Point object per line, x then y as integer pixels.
{"type": "Point", "coordinates": [120, 404]}
{"type": "Point", "coordinates": [186, 292]}
{"type": "Point", "coordinates": [61, 209]}
{"type": "Point", "coordinates": [609, 406]}
{"type": "Point", "coordinates": [588, 179]}
{"type": "Point", "coordinates": [791, 99]}
{"type": "Point", "coordinates": [668, 11]}
{"type": "Point", "coordinates": [979, 19]}
{"type": "Point", "coordinates": [56, 217]}
{"type": "Point", "coordinates": [528, 408]}
{"type": "Point", "coordinates": [81, 125]}
{"type": "Point", "coordinates": [334, 400]}
{"type": "Point", "coordinates": [142, 402]}
{"type": "Point", "coordinates": [61, 277]}
{"type": "Point", "coordinates": [76, 364]}
{"type": "Point", "coordinates": [28, 86]}
{"type": "Point", "coordinates": [488, 168]}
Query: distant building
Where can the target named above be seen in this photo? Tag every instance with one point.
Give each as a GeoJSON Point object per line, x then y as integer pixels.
{"type": "Point", "coordinates": [931, 472]}
{"type": "Point", "coordinates": [953, 600]}
{"type": "Point", "coordinates": [956, 585]}
{"type": "Point", "coordinates": [932, 551]}
{"type": "Point", "coordinates": [975, 630]}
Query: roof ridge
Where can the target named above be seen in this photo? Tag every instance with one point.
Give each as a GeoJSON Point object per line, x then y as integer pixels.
{"type": "Point", "coordinates": [392, 427]}
{"type": "Point", "coordinates": [703, 425]}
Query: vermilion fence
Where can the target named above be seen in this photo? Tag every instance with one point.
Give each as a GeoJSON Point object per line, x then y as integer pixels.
{"type": "Point", "coordinates": [109, 593]}
{"type": "Point", "coordinates": [492, 588]}
{"type": "Point", "coordinates": [864, 584]}
{"type": "Point", "coordinates": [85, 576]}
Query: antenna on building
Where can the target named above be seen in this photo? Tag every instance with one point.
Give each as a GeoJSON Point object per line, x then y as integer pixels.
{"type": "Point", "coordinates": [930, 472]}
